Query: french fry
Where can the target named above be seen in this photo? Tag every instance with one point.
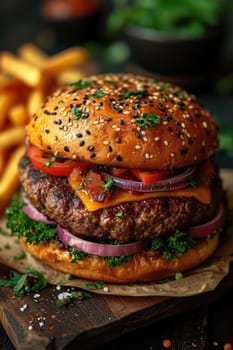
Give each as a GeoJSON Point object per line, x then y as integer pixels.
{"type": "Point", "coordinates": [9, 181]}
{"type": "Point", "coordinates": [34, 101]}
{"type": "Point", "coordinates": [32, 54]}
{"type": "Point", "coordinates": [7, 100]}
{"type": "Point", "coordinates": [65, 60]}
{"type": "Point", "coordinates": [24, 71]}
{"type": "Point", "coordinates": [1, 161]}
{"type": "Point", "coordinates": [12, 137]}
{"type": "Point", "coordinates": [25, 80]}
{"type": "Point", "coordinates": [67, 76]}
{"type": "Point", "coordinates": [18, 115]}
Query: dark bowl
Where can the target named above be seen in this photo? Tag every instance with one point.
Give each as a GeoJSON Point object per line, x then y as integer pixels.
{"type": "Point", "coordinates": [188, 61]}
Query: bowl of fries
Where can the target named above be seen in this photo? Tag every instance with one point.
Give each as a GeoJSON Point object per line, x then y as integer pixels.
{"type": "Point", "coordinates": [25, 80]}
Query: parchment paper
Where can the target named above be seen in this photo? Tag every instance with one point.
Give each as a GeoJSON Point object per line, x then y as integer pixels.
{"type": "Point", "coordinates": [200, 280]}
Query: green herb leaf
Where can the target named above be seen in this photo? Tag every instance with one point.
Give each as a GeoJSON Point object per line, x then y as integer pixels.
{"type": "Point", "coordinates": [77, 112]}
{"type": "Point", "coordinates": [94, 285]}
{"type": "Point", "coordinates": [50, 162]}
{"type": "Point", "coordinates": [98, 94]}
{"type": "Point", "coordinates": [19, 223]}
{"type": "Point", "coordinates": [173, 246]}
{"type": "Point", "coordinates": [114, 261]}
{"type": "Point", "coordinates": [81, 84]}
{"type": "Point", "coordinates": [109, 185]}
{"type": "Point", "coordinates": [147, 120]}
{"type": "Point", "coordinates": [30, 281]}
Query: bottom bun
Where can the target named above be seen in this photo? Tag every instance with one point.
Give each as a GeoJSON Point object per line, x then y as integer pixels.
{"type": "Point", "coordinates": [142, 267]}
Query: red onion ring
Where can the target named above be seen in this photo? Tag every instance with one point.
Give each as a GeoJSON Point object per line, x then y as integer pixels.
{"type": "Point", "coordinates": [32, 212]}
{"type": "Point", "coordinates": [207, 228]}
{"type": "Point", "coordinates": [99, 248]}
{"type": "Point", "coordinates": [173, 183]}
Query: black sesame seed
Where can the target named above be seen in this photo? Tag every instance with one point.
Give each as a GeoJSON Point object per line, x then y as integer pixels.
{"type": "Point", "coordinates": [90, 148]}
{"type": "Point", "coordinates": [178, 123]}
{"type": "Point", "coordinates": [66, 149]}
{"type": "Point", "coordinates": [82, 143]}
{"type": "Point", "coordinates": [49, 147]}
{"type": "Point", "coordinates": [118, 140]}
{"type": "Point", "coordinates": [85, 115]}
{"type": "Point", "coordinates": [79, 135]}
{"type": "Point", "coordinates": [119, 158]}
{"type": "Point", "coordinates": [58, 121]}
{"type": "Point", "coordinates": [108, 119]}
{"type": "Point", "coordinates": [61, 127]}
{"type": "Point", "coordinates": [121, 122]}
{"type": "Point", "coordinates": [161, 106]}
{"type": "Point", "coordinates": [47, 131]}
{"type": "Point", "coordinates": [168, 118]}
{"type": "Point", "coordinates": [184, 150]}
{"type": "Point", "coordinates": [55, 108]}
{"type": "Point", "coordinates": [93, 155]}
{"type": "Point", "coordinates": [170, 128]}
{"type": "Point", "coordinates": [190, 142]}
{"type": "Point", "coordinates": [110, 148]}
{"type": "Point", "coordinates": [45, 111]}
{"type": "Point", "coordinates": [178, 133]}
{"type": "Point", "coordinates": [138, 135]}
{"type": "Point", "coordinates": [88, 132]}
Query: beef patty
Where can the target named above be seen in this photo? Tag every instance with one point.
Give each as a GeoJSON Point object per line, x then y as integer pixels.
{"type": "Point", "coordinates": [127, 222]}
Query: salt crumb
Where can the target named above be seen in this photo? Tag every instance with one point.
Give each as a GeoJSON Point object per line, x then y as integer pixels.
{"type": "Point", "coordinates": [23, 308]}
{"type": "Point", "coordinates": [63, 295]}
{"type": "Point", "coordinates": [106, 289]}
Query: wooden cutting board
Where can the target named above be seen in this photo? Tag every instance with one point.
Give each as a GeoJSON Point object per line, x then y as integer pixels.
{"type": "Point", "coordinates": [38, 323]}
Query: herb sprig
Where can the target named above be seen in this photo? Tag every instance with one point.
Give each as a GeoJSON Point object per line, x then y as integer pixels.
{"type": "Point", "coordinates": [81, 84]}
{"type": "Point", "coordinates": [147, 120]}
{"type": "Point", "coordinates": [30, 281]}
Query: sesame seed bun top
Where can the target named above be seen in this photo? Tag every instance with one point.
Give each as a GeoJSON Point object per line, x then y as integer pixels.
{"type": "Point", "coordinates": [125, 120]}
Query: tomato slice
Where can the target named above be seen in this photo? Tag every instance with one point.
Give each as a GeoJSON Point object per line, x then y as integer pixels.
{"type": "Point", "coordinates": [53, 165]}
{"type": "Point", "coordinates": [92, 184]}
{"type": "Point", "coordinates": [149, 177]}
{"type": "Point", "coordinates": [116, 171]}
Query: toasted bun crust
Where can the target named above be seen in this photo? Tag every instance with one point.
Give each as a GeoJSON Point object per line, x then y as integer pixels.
{"type": "Point", "coordinates": [106, 119]}
{"type": "Point", "coordinates": [143, 267]}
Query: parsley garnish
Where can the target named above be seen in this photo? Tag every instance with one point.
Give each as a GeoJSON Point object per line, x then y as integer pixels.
{"type": "Point", "coordinates": [139, 93]}
{"type": "Point", "coordinates": [18, 222]}
{"type": "Point", "coordinates": [76, 255]}
{"type": "Point", "coordinates": [98, 94]}
{"type": "Point", "coordinates": [66, 298]}
{"type": "Point", "coordinates": [147, 120]}
{"type": "Point", "coordinates": [30, 281]}
{"type": "Point", "coordinates": [173, 246]}
{"type": "Point", "coordinates": [19, 255]}
{"type": "Point", "coordinates": [114, 261]}
{"type": "Point", "coordinates": [94, 285]}
{"type": "Point", "coordinates": [119, 214]}
{"type": "Point", "coordinates": [50, 162]}
{"type": "Point", "coordinates": [109, 185]}
{"type": "Point", "coordinates": [77, 112]}
{"type": "Point", "coordinates": [81, 84]}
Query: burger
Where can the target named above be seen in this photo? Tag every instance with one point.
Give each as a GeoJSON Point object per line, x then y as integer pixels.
{"type": "Point", "coordinates": [119, 180]}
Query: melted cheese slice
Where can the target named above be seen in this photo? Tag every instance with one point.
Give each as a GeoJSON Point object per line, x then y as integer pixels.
{"type": "Point", "coordinates": [201, 193]}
